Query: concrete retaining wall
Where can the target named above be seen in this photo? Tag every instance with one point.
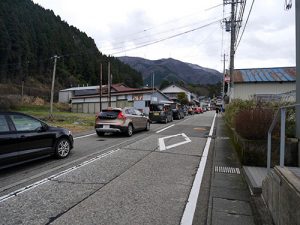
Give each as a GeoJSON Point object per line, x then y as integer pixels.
{"type": "Point", "coordinates": [254, 152]}
{"type": "Point", "coordinates": [281, 192]}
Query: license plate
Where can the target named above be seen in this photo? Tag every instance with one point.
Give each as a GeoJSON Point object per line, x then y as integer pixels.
{"type": "Point", "coordinates": [156, 114]}
{"type": "Point", "coordinates": [106, 126]}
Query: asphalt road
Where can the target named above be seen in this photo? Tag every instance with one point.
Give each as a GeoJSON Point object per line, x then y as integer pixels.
{"type": "Point", "coordinates": [144, 179]}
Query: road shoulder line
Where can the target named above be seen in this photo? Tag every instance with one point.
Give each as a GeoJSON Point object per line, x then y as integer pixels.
{"type": "Point", "coordinates": [188, 214]}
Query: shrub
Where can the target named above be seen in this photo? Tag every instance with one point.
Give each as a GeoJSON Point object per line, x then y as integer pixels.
{"type": "Point", "coordinates": [253, 124]}
{"type": "Point", "coordinates": [62, 107]}
{"type": "Point", "coordinates": [234, 107]}
{"type": "Point", "coordinates": [8, 103]}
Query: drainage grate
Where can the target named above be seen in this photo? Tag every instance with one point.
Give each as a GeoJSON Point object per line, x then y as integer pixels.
{"type": "Point", "coordinates": [226, 169]}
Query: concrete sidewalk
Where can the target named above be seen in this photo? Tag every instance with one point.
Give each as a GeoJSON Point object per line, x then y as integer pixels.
{"type": "Point", "coordinates": [230, 199]}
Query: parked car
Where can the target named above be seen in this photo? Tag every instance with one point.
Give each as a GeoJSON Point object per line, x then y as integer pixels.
{"type": "Point", "coordinates": [198, 110]}
{"type": "Point", "coordinates": [24, 138]}
{"type": "Point", "coordinates": [117, 120]}
{"type": "Point", "coordinates": [191, 110]}
{"type": "Point", "coordinates": [185, 110]}
{"type": "Point", "coordinates": [177, 110]}
{"type": "Point", "coordinates": [160, 113]}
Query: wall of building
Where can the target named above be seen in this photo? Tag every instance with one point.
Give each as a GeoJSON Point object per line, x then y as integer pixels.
{"type": "Point", "coordinates": [64, 96]}
{"type": "Point", "coordinates": [246, 91]}
{"type": "Point", "coordinates": [139, 101]}
{"type": "Point", "coordinates": [173, 89]}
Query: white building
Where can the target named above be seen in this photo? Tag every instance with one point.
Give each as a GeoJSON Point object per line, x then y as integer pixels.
{"type": "Point", "coordinates": [262, 82]}
{"type": "Point", "coordinates": [87, 99]}
{"type": "Point", "coordinates": [173, 90]}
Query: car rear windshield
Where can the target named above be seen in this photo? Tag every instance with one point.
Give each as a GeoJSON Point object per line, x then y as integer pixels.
{"type": "Point", "coordinates": [109, 114]}
{"type": "Point", "coordinates": [156, 107]}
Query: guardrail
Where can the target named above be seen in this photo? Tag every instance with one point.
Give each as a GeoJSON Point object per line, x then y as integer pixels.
{"type": "Point", "coordinates": [282, 113]}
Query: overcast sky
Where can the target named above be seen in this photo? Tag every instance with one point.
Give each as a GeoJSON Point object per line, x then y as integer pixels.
{"type": "Point", "coordinates": [189, 30]}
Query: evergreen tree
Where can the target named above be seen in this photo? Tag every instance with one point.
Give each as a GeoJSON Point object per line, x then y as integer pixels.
{"type": "Point", "coordinates": [29, 38]}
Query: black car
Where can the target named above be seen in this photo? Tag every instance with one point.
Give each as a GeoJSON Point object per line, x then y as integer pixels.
{"type": "Point", "coordinates": [178, 112]}
{"type": "Point", "coordinates": [160, 113]}
{"type": "Point", "coordinates": [24, 138]}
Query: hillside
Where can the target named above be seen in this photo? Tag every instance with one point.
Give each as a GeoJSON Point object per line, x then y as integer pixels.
{"type": "Point", "coordinates": [172, 70]}
{"type": "Point", "coordinates": [29, 38]}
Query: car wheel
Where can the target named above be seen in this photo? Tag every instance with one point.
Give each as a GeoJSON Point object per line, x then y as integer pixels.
{"type": "Point", "coordinates": [129, 130]}
{"type": "Point", "coordinates": [63, 148]}
{"type": "Point", "coordinates": [99, 133]}
{"type": "Point", "coordinates": [147, 126]}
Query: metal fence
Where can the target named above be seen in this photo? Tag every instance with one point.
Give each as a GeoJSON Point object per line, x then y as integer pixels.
{"type": "Point", "coordinates": [282, 112]}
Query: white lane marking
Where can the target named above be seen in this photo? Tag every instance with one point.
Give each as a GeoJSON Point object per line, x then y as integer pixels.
{"type": "Point", "coordinates": [164, 129]}
{"type": "Point", "coordinates": [163, 147]}
{"type": "Point", "coordinates": [84, 136]}
{"type": "Point", "coordinates": [161, 143]}
{"type": "Point", "coordinates": [45, 180]}
{"type": "Point", "coordinates": [188, 214]}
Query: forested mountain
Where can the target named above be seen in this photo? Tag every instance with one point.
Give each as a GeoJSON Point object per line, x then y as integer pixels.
{"type": "Point", "coordinates": [172, 70]}
{"type": "Point", "coordinates": [29, 38]}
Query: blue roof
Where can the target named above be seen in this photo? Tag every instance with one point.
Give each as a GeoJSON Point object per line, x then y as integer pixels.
{"type": "Point", "coordinates": [280, 74]}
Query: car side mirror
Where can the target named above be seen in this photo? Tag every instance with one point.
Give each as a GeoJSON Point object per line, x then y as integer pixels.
{"type": "Point", "coordinates": [44, 127]}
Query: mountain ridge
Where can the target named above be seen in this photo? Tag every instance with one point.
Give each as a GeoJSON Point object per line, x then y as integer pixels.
{"type": "Point", "coordinates": [172, 70]}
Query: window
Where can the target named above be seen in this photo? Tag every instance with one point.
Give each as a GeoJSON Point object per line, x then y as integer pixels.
{"type": "Point", "coordinates": [154, 107]}
{"type": "Point", "coordinates": [138, 112]}
{"type": "Point", "coordinates": [3, 124]}
{"type": "Point", "coordinates": [128, 111]}
{"type": "Point", "coordinates": [24, 123]}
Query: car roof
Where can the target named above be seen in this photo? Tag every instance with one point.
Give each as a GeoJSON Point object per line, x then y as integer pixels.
{"type": "Point", "coordinates": [111, 108]}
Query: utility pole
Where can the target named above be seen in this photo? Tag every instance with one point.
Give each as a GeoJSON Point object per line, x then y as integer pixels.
{"type": "Point", "coordinates": [232, 45]}
{"type": "Point", "coordinates": [223, 88]}
{"type": "Point", "coordinates": [108, 85]}
{"type": "Point", "coordinates": [52, 86]}
{"type": "Point", "coordinates": [297, 12]}
{"type": "Point", "coordinates": [22, 94]}
{"type": "Point", "coordinates": [153, 82]}
{"type": "Point", "coordinates": [100, 88]}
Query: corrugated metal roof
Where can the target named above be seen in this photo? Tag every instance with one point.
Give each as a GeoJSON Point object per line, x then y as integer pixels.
{"type": "Point", "coordinates": [280, 74]}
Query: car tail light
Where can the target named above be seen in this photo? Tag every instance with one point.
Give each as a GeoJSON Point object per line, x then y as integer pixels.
{"type": "Point", "coordinates": [121, 116]}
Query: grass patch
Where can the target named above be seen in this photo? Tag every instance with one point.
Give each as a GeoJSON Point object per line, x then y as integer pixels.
{"type": "Point", "coordinates": [76, 122]}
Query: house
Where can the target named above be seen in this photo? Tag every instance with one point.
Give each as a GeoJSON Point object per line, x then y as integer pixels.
{"type": "Point", "coordinates": [263, 83]}
{"type": "Point", "coordinates": [66, 95]}
{"type": "Point", "coordinates": [173, 90]}
{"type": "Point", "coordinates": [87, 99]}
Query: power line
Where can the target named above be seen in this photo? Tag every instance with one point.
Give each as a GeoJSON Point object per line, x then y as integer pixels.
{"type": "Point", "coordinates": [119, 45]}
{"type": "Point", "coordinates": [145, 42]}
{"type": "Point", "coordinates": [245, 25]}
{"type": "Point", "coordinates": [176, 20]}
{"type": "Point", "coordinates": [167, 38]}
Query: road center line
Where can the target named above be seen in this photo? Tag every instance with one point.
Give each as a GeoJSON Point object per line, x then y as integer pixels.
{"type": "Point", "coordinates": [45, 180]}
{"type": "Point", "coordinates": [164, 129]}
{"type": "Point", "coordinates": [188, 214]}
